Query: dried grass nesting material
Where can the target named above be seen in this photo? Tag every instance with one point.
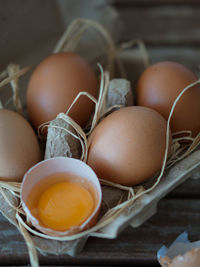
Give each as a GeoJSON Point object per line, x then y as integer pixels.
{"type": "Point", "coordinates": [71, 140]}
{"type": "Point", "coordinates": [11, 75]}
{"type": "Point", "coordinates": [105, 51]}
{"type": "Point", "coordinates": [125, 197]}
{"type": "Point", "coordinates": [66, 138]}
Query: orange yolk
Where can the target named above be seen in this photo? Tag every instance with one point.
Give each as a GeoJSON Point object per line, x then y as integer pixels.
{"type": "Point", "coordinates": [64, 205]}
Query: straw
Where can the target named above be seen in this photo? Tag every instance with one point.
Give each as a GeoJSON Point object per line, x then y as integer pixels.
{"type": "Point", "coordinates": [69, 42]}
{"type": "Point", "coordinates": [116, 211]}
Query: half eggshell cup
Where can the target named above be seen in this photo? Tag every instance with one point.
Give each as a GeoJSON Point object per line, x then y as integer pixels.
{"type": "Point", "coordinates": [86, 177]}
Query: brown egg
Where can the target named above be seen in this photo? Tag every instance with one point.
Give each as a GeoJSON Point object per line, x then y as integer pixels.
{"type": "Point", "coordinates": [158, 88]}
{"type": "Point", "coordinates": [128, 146]}
{"type": "Point", "coordinates": [55, 83]}
{"type": "Point", "coordinates": [19, 147]}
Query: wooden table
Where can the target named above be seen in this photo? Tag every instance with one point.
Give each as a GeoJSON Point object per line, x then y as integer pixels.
{"type": "Point", "coordinates": [171, 31]}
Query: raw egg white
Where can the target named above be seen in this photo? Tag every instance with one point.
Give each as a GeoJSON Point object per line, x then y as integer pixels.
{"type": "Point", "coordinates": [19, 147]}
{"type": "Point", "coordinates": [159, 86]}
{"type": "Point", "coordinates": [128, 146]}
{"type": "Point", "coordinates": [55, 83]}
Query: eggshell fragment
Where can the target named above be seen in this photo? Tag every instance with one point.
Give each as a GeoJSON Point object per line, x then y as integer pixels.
{"type": "Point", "coordinates": [61, 165]}
{"type": "Point", "coordinates": [181, 253]}
{"type": "Point", "coordinates": [54, 85]}
{"type": "Point", "coordinates": [189, 259]}
{"type": "Point", "coordinates": [19, 147]}
{"type": "Point", "coordinates": [159, 86]}
{"type": "Point", "coordinates": [128, 146]}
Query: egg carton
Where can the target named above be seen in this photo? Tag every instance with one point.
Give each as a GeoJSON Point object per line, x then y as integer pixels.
{"type": "Point", "coordinates": [146, 206]}
{"type": "Point", "coordinates": [141, 210]}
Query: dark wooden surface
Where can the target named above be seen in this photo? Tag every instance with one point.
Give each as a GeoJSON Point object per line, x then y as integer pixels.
{"type": "Point", "coordinates": [171, 31]}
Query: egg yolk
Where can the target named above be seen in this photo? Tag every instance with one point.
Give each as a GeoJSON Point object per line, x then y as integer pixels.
{"type": "Point", "coordinates": [64, 205]}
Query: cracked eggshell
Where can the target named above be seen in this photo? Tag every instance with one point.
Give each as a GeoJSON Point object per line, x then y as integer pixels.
{"type": "Point", "coordinates": [57, 165]}
{"type": "Point", "coordinates": [181, 253]}
{"type": "Point", "coordinates": [189, 259]}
